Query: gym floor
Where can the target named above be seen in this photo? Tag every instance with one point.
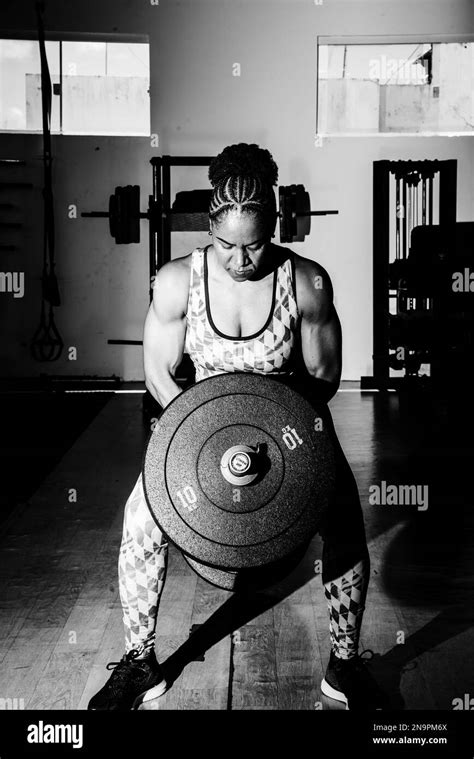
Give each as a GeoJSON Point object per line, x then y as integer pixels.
{"type": "Point", "coordinates": [60, 615]}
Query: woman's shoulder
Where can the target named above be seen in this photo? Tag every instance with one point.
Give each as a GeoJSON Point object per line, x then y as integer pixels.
{"type": "Point", "coordinates": [304, 267]}
{"type": "Point", "coordinates": [179, 268]}
{"type": "Point", "coordinates": [310, 272]}
{"type": "Point", "coordinates": [172, 278]}
{"type": "Point", "coordinates": [313, 282]}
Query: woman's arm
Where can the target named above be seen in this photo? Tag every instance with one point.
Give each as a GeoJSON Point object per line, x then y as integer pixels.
{"type": "Point", "coordinates": [321, 339]}
{"type": "Point", "coordinates": [165, 330]}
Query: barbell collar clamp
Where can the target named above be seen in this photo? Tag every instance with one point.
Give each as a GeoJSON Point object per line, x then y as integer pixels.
{"type": "Point", "coordinates": [239, 464]}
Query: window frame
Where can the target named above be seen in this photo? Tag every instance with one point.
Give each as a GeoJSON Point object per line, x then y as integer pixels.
{"type": "Point", "coordinates": [28, 35]}
{"type": "Point", "coordinates": [385, 39]}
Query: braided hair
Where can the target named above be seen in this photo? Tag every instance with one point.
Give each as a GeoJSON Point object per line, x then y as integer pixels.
{"type": "Point", "coordinates": [242, 177]}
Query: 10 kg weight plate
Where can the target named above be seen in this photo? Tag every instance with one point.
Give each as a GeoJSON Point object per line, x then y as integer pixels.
{"type": "Point", "coordinates": [248, 579]}
{"type": "Point", "coordinates": [244, 425]}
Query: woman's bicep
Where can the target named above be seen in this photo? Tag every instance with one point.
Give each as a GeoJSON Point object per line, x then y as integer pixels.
{"type": "Point", "coordinates": [321, 340]}
{"type": "Point", "coordinates": [165, 326]}
{"type": "Point", "coordinates": [321, 345]}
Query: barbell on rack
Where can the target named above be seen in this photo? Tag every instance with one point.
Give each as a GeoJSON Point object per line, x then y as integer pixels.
{"type": "Point", "coordinates": [190, 213]}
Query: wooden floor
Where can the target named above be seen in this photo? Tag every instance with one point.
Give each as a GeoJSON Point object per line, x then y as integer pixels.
{"type": "Point", "coordinates": [60, 615]}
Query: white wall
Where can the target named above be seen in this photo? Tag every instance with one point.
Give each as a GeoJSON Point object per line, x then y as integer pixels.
{"type": "Point", "coordinates": [198, 107]}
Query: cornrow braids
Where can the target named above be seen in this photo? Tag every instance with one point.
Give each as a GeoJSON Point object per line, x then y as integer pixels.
{"type": "Point", "coordinates": [243, 177]}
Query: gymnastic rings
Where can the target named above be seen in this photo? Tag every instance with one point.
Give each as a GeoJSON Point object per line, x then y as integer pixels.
{"type": "Point", "coordinates": [47, 344]}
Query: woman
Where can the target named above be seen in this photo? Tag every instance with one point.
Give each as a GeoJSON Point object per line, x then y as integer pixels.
{"type": "Point", "coordinates": [212, 304]}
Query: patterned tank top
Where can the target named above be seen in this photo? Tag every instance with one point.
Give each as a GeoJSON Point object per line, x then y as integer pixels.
{"type": "Point", "coordinates": [273, 350]}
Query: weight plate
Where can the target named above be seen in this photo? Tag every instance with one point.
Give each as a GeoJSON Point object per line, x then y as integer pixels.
{"type": "Point", "coordinates": [221, 578]}
{"type": "Point", "coordinates": [211, 519]}
{"type": "Point", "coordinates": [245, 580]}
{"type": "Point", "coordinates": [113, 210]}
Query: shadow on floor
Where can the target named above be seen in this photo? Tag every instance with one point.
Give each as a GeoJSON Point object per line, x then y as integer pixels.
{"type": "Point", "coordinates": [37, 430]}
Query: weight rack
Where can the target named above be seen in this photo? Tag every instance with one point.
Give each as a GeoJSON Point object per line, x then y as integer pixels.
{"type": "Point", "coordinates": [162, 219]}
{"type": "Point", "coordinates": [402, 179]}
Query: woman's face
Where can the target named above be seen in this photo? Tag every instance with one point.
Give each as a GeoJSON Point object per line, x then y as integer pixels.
{"type": "Point", "coordinates": [240, 242]}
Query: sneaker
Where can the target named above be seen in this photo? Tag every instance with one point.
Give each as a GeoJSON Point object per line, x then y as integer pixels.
{"type": "Point", "coordinates": [132, 682]}
{"type": "Point", "coordinates": [349, 681]}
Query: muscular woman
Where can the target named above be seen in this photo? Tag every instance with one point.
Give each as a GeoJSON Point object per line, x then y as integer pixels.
{"type": "Point", "coordinates": [243, 304]}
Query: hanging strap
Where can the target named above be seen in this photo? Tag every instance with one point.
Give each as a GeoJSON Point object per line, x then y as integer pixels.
{"type": "Point", "coordinates": [47, 344]}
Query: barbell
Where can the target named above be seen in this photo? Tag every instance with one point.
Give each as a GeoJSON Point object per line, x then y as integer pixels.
{"type": "Point", "coordinates": [238, 473]}
{"type": "Point", "coordinates": [190, 213]}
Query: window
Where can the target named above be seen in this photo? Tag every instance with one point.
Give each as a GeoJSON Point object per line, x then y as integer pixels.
{"type": "Point", "coordinates": [98, 87]}
{"type": "Point", "coordinates": [370, 86]}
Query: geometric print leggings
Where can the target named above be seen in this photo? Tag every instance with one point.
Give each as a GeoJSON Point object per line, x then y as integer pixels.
{"type": "Point", "coordinates": [144, 553]}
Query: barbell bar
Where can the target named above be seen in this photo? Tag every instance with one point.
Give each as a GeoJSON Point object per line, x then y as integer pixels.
{"type": "Point", "coordinates": [124, 213]}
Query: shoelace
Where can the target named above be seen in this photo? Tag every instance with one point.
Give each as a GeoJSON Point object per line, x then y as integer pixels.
{"type": "Point", "coordinates": [122, 669]}
{"type": "Point", "coordinates": [359, 660]}
{"type": "Point", "coordinates": [127, 658]}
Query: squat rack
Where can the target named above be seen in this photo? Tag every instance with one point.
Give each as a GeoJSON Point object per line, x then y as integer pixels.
{"type": "Point", "coordinates": [162, 223]}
